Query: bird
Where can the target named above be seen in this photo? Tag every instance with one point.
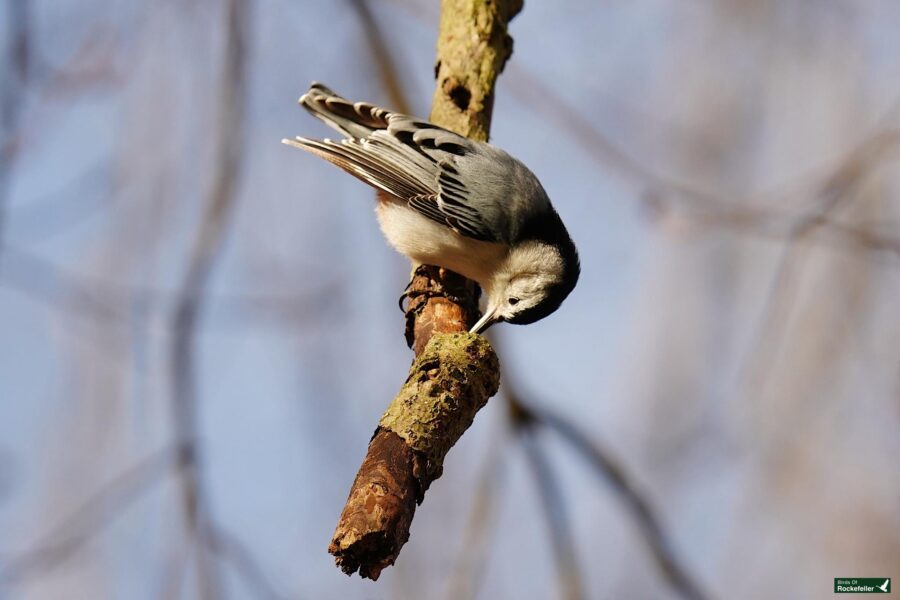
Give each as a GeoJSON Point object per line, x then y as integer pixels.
{"type": "Point", "coordinates": [453, 202]}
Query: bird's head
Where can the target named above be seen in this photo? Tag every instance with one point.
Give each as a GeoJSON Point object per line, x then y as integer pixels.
{"type": "Point", "coordinates": [532, 282]}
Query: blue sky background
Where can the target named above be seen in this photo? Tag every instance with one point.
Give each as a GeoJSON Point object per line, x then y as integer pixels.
{"type": "Point", "coordinates": [749, 385]}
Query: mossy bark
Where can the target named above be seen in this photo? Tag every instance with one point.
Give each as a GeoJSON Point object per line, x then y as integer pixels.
{"type": "Point", "coordinates": [472, 49]}
{"type": "Point", "coordinates": [455, 372]}
{"type": "Point", "coordinates": [450, 381]}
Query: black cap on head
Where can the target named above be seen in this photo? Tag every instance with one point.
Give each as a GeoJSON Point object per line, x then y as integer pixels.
{"type": "Point", "coordinates": [550, 230]}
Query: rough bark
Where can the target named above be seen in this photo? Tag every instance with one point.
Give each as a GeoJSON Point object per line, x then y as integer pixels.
{"type": "Point", "coordinates": [473, 46]}
{"type": "Point", "coordinates": [453, 375]}
{"type": "Point", "coordinates": [448, 383]}
{"type": "Point", "coordinates": [441, 301]}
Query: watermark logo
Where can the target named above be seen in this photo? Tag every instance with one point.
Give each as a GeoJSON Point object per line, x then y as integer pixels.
{"type": "Point", "coordinates": [862, 585]}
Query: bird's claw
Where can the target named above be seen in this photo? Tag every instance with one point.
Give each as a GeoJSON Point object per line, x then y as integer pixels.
{"type": "Point", "coordinates": [409, 294]}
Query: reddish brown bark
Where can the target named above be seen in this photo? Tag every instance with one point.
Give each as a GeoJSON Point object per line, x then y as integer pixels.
{"type": "Point", "coordinates": [376, 519]}
{"type": "Point", "coordinates": [440, 301]}
{"type": "Point", "coordinates": [449, 382]}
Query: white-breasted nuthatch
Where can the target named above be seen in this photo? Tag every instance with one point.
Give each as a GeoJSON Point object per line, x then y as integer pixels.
{"type": "Point", "coordinates": [455, 203]}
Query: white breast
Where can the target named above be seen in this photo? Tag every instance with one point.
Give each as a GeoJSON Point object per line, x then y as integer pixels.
{"type": "Point", "coordinates": [427, 242]}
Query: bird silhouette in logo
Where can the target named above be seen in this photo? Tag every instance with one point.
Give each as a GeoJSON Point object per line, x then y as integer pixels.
{"type": "Point", "coordinates": [884, 586]}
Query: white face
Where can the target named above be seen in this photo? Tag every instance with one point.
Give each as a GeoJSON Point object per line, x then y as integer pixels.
{"type": "Point", "coordinates": [519, 295]}
{"type": "Point", "coordinates": [524, 282]}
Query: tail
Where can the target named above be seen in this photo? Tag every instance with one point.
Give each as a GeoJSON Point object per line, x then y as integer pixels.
{"type": "Point", "coordinates": [356, 121]}
{"type": "Point", "coordinates": [394, 153]}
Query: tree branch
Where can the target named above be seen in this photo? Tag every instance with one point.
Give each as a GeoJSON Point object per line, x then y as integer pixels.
{"type": "Point", "coordinates": [607, 468]}
{"type": "Point", "coordinates": [571, 584]}
{"type": "Point", "coordinates": [381, 57]}
{"type": "Point", "coordinates": [13, 75]}
{"type": "Point", "coordinates": [89, 519]}
{"type": "Point", "coordinates": [449, 382]}
{"type": "Point", "coordinates": [453, 376]}
{"type": "Point", "coordinates": [207, 244]}
{"type": "Point", "coordinates": [472, 556]}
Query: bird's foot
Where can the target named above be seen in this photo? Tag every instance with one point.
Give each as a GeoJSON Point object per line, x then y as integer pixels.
{"type": "Point", "coordinates": [411, 295]}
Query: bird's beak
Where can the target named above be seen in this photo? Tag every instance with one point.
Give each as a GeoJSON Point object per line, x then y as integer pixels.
{"type": "Point", "coordinates": [485, 321]}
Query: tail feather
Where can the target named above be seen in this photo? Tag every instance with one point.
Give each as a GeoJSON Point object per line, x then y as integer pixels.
{"type": "Point", "coordinates": [354, 120]}
{"type": "Point", "coordinates": [368, 167]}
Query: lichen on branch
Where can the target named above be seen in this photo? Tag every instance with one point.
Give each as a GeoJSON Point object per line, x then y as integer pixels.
{"type": "Point", "coordinates": [473, 47]}
{"type": "Point", "coordinates": [448, 383]}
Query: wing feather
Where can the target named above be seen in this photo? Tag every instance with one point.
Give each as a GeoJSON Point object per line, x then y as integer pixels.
{"type": "Point", "coordinates": [412, 160]}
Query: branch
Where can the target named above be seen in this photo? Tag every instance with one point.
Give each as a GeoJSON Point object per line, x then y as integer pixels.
{"type": "Point", "coordinates": [841, 188]}
{"type": "Point", "coordinates": [473, 47]}
{"type": "Point", "coordinates": [123, 304]}
{"type": "Point", "coordinates": [230, 548]}
{"type": "Point", "coordinates": [472, 557]}
{"type": "Point", "coordinates": [611, 472]}
{"type": "Point", "coordinates": [13, 79]}
{"type": "Point", "coordinates": [381, 56]}
{"type": "Point", "coordinates": [449, 382]}
{"type": "Point", "coordinates": [453, 376]}
{"type": "Point", "coordinates": [89, 519]}
{"type": "Point", "coordinates": [207, 244]}
{"type": "Point", "coordinates": [565, 555]}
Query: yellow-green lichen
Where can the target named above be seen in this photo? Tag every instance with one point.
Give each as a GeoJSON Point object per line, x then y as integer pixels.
{"type": "Point", "coordinates": [448, 383]}
{"type": "Point", "coordinates": [473, 46]}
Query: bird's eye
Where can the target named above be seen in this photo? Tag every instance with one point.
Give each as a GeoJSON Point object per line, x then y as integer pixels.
{"type": "Point", "coordinates": [513, 301]}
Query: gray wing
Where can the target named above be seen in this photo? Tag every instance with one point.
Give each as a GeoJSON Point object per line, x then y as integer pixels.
{"type": "Point", "coordinates": [412, 160]}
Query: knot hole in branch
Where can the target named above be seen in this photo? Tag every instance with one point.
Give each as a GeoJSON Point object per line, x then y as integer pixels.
{"type": "Point", "coordinates": [458, 93]}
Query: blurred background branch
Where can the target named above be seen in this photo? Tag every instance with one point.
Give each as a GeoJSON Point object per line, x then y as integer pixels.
{"type": "Point", "coordinates": [89, 519]}
{"type": "Point", "coordinates": [13, 82]}
{"type": "Point", "coordinates": [562, 537]}
{"type": "Point", "coordinates": [388, 73]}
{"type": "Point", "coordinates": [529, 421]}
{"type": "Point", "coordinates": [228, 128]}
